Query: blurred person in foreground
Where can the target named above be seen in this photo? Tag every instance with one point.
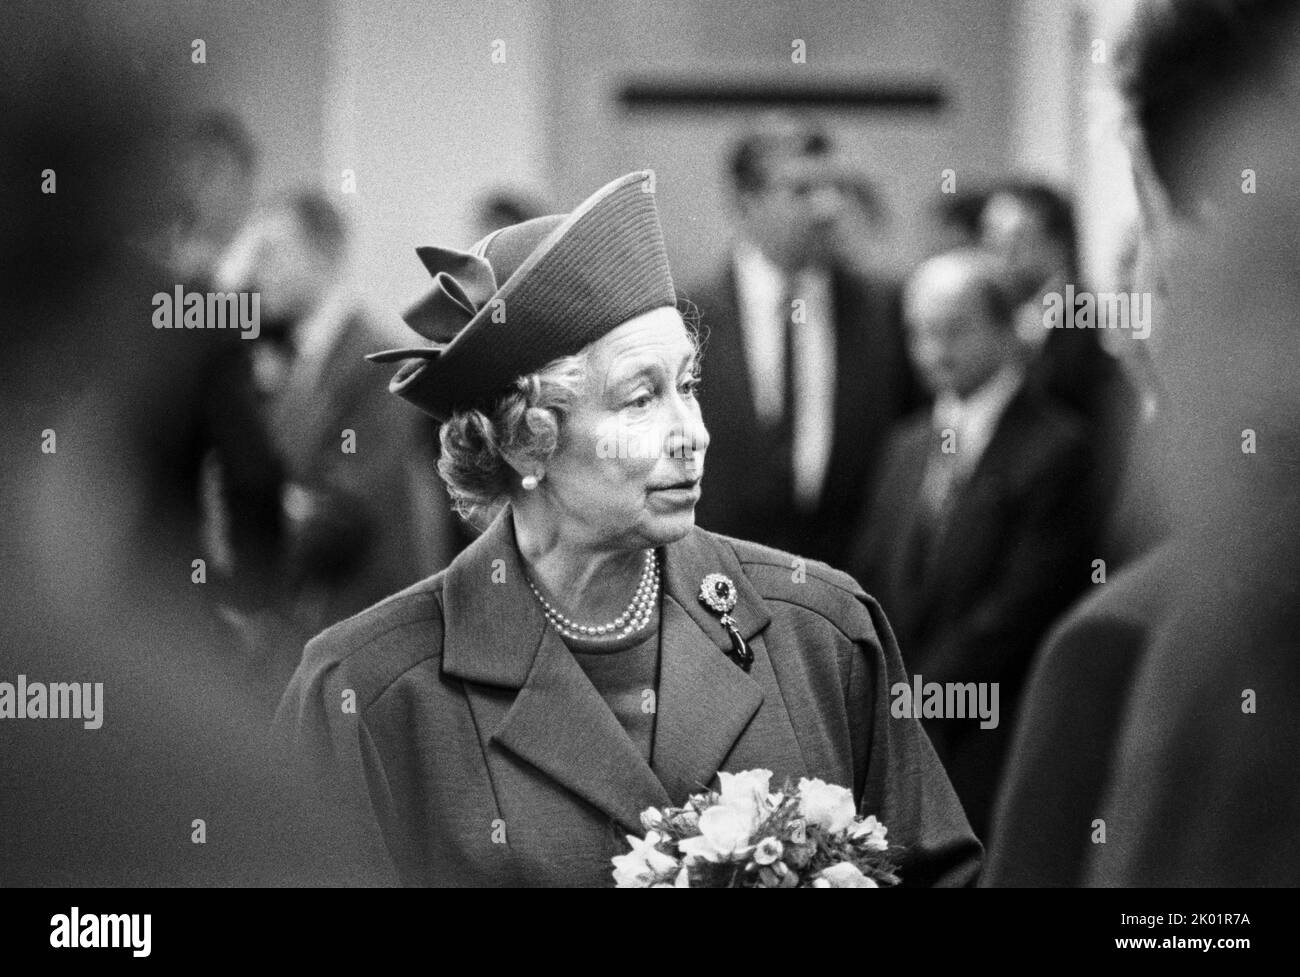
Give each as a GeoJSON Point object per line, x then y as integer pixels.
{"type": "Point", "coordinates": [175, 781]}
{"type": "Point", "coordinates": [514, 715]}
{"type": "Point", "coordinates": [366, 512]}
{"type": "Point", "coordinates": [977, 537]}
{"type": "Point", "coordinates": [812, 369]}
{"type": "Point", "coordinates": [1168, 706]}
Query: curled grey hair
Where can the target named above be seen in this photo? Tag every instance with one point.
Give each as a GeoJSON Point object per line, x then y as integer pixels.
{"type": "Point", "coordinates": [524, 425]}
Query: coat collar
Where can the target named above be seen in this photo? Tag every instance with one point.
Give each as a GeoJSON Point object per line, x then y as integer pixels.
{"type": "Point", "coordinates": [495, 635]}
{"type": "Point", "coordinates": [494, 626]}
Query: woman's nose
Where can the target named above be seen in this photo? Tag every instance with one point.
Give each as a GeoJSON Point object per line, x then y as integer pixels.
{"type": "Point", "coordinates": [688, 437]}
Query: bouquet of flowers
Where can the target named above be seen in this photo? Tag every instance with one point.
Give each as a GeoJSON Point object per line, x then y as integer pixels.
{"type": "Point", "coordinates": [744, 836]}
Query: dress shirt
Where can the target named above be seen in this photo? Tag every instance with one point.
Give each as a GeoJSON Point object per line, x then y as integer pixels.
{"type": "Point", "coordinates": [975, 418]}
{"type": "Point", "coordinates": [762, 291]}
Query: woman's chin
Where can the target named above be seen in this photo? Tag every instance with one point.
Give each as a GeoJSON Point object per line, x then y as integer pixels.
{"type": "Point", "coordinates": [669, 527]}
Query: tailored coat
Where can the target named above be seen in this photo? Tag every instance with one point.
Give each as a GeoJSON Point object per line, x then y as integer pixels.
{"type": "Point", "coordinates": [476, 752]}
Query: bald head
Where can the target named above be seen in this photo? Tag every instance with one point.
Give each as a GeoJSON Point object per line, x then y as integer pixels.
{"type": "Point", "coordinates": [960, 320]}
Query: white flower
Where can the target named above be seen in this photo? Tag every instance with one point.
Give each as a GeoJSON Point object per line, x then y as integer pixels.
{"type": "Point", "coordinates": [872, 833]}
{"type": "Point", "coordinates": [768, 851]}
{"type": "Point", "coordinates": [844, 875]}
{"type": "Point", "coordinates": [651, 818]}
{"type": "Point", "coordinates": [746, 792]}
{"type": "Point", "coordinates": [724, 834]}
{"type": "Point", "coordinates": [638, 868]}
{"type": "Point", "coordinates": [825, 805]}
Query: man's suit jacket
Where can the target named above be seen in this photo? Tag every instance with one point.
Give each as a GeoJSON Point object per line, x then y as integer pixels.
{"type": "Point", "coordinates": [1014, 553]}
{"type": "Point", "coordinates": [748, 492]}
{"type": "Point", "coordinates": [1077, 372]}
{"type": "Point", "coordinates": [479, 753]}
{"type": "Point", "coordinates": [376, 512]}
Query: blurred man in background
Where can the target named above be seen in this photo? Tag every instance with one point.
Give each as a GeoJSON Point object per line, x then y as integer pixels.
{"type": "Point", "coordinates": [210, 462]}
{"type": "Point", "coordinates": [1161, 729]}
{"type": "Point", "coordinates": [366, 512]}
{"type": "Point", "coordinates": [212, 181]}
{"type": "Point", "coordinates": [805, 367]}
{"type": "Point", "coordinates": [213, 448]}
{"type": "Point", "coordinates": [977, 538]}
{"type": "Point", "coordinates": [1032, 227]}
{"type": "Point", "coordinates": [954, 221]}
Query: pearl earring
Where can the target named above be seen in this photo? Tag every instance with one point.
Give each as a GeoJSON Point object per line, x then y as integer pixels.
{"type": "Point", "coordinates": [529, 482]}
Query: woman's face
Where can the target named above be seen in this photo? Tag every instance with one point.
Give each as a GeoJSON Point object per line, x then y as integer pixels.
{"type": "Point", "coordinates": [627, 470]}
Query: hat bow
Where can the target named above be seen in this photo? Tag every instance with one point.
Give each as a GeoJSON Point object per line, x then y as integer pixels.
{"type": "Point", "coordinates": [463, 283]}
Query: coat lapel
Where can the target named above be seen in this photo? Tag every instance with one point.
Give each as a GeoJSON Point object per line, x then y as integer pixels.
{"type": "Point", "coordinates": [705, 700]}
{"type": "Point", "coordinates": [560, 724]}
{"type": "Point", "coordinates": [496, 637]}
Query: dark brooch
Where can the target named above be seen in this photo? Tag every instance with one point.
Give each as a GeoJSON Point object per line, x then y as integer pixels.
{"type": "Point", "coordinates": [718, 594]}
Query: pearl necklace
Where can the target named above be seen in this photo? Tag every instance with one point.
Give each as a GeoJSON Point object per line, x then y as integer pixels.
{"type": "Point", "coordinates": [634, 618]}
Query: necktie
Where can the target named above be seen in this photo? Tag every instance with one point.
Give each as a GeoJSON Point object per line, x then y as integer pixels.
{"type": "Point", "coordinates": [937, 493]}
{"type": "Point", "coordinates": [941, 476]}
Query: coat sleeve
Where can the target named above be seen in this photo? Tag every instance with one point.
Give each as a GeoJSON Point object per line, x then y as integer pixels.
{"type": "Point", "coordinates": [902, 781]}
{"type": "Point", "coordinates": [320, 720]}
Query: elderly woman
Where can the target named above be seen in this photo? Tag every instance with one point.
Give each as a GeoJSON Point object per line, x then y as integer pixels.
{"type": "Point", "coordinates": [592, 653]}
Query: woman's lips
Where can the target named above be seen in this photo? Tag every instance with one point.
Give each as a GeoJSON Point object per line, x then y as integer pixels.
{"type": "Point", "coordinates": [681, 492]}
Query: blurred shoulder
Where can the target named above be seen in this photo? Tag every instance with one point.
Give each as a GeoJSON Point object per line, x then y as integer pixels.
{"type": "Point", "coordinates": [1137, 596]}
{"type": "Point", "coordinates": [375, 647]}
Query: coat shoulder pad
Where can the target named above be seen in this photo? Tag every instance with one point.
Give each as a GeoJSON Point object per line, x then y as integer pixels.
{"type": "Point", "coordinates": [810, 584]}
{"type": "Point", "coordinates": [375, 647]}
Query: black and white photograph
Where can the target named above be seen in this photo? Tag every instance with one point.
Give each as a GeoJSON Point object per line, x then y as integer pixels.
{"type": "Point", "coordinates": [523, 444]}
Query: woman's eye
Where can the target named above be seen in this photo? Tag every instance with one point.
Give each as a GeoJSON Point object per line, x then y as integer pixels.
{"type": "Point", "coordinates": [690, 387]}
{"type": "Point", "coordinates": [641, 400]}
